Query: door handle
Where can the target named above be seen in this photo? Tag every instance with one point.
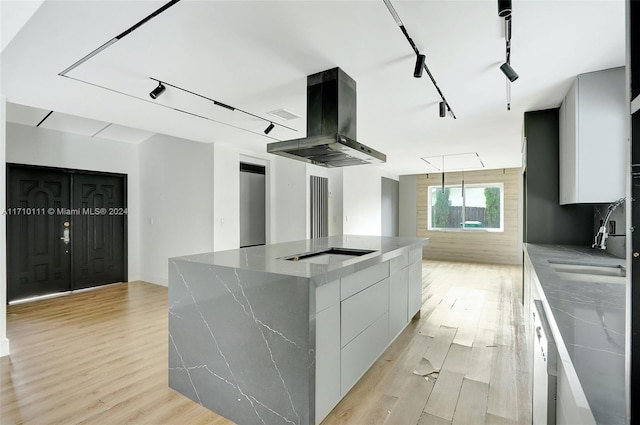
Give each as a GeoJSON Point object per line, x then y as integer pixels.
{"type": "Point", "coordinates": [65, 236]}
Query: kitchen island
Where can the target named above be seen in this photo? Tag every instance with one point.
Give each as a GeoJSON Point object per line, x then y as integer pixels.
{"type": "Point", "coordinates": [278, 334]}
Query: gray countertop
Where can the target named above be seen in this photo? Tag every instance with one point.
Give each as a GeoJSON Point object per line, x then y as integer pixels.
{"type": "Point", "coordinates": [590, 320]}
{"type": "Point", "coordinates": [269, 258]}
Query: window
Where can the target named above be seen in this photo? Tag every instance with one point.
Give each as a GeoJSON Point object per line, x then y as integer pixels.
{"type": "Point", "coordinates": [468, 207]}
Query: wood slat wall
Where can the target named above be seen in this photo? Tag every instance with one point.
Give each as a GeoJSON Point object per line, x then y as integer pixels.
{"type": "Point", "coordinates": [473, 246]}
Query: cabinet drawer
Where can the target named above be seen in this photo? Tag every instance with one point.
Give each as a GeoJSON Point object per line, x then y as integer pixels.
{"type": "Point", "coordinates": [327, 361]}
{"type": "Point", "coordinates": [415, 255]}
{"type": "Point", "coordinates": [327, 295]}
{"type": "Point", "coordinates": [362, 352]}
{"type": "Point", "coordinates": [398, 297]}
{"type": "Point", "coordinates": [362, 309]}
{"type": "Point", "coordinates": [356, 282]}
{"type": "Point", "coordinates": [399, 262]}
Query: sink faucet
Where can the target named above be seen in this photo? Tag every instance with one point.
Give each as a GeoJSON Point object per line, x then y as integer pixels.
{"type": "Point", "coordinates": [602, 235]}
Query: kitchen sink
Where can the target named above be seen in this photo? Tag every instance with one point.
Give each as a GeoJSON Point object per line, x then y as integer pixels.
{"type": "Point", "coordinates": [328, 256]}
{"type": "Point", "coordinates": [586, 272]}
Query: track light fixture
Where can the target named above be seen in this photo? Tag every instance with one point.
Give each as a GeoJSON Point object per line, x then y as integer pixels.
{"type": "Point", "coordinates": [504, 9]}
{"type": "Point", "coordinates": [157, 91]}
{"type": "Point", "coordinates": [443, 110]}
{"type": "Point", "coordinates": [269, 128]}
{"type": "Point", "coordinates": [509, 72]}
{"type": "Point", "coordinates": [420, 59]}
{"type": "Point", "coordinates": [417, 71]}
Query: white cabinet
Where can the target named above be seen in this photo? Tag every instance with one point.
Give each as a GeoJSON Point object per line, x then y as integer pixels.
{"type": "Point", "coordinates": [414, 300]}
{"type": "Point", "coordinates": [357, 317]}
{"type": "Point", "coordinates": [593, 139]}
{"type": "Point", "coordinates": [398, 301]}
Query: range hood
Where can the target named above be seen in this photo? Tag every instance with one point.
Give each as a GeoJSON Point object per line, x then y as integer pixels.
{"type": "Point", "coordinates": [331, 125]}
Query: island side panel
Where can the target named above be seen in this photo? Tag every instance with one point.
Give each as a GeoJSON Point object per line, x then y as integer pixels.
{"type": "Point", "coordinates": [239, 342]}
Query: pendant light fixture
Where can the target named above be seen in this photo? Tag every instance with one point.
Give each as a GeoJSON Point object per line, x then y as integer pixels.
{"type": "Point", "coordinates": [442, 173]}
{"type": "Point", "coordinates": [443, 110]}
{"type": "Point", "coordinates": [269, 128]}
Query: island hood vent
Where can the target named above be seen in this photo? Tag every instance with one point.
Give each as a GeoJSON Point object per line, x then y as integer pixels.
{"type": "Point", "coordinates": [331, 125]}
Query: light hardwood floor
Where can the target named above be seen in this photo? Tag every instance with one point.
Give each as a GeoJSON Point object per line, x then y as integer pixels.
{"type": "Point", "coordinates": [100, 357]}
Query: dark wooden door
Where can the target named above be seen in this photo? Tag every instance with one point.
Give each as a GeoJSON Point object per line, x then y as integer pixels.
{"type": "Point", "coordinates": [98, 232]}
{"type": "Point", "coordinates": [38, 260]}
{"type": "Point", "coordinates": [66, 230]}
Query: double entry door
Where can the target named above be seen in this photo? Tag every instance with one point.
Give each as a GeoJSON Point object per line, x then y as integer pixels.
{"type": "Point", "coordinates": [66, 230]}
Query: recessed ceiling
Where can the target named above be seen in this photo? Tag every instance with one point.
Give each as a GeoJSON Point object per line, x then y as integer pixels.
{"type": "Point", "coordinates": [255, 55]}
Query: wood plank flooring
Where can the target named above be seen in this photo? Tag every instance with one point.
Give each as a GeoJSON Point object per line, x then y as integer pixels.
{"type": "Point", "coordinates": [99, 357]}
{"type": "Point", "coordinates": [471, 330]}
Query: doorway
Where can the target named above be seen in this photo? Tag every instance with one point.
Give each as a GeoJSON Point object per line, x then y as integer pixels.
{"type": "Point", "coordinates": [66, 230]}
{"type": "Point", "coordinates": [252, 205]}
{"type": "Point", "coordinates": [390, 207]}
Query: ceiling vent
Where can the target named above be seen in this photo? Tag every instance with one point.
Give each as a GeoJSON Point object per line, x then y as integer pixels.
{"type": "Point", "coordinates": [284, 114]}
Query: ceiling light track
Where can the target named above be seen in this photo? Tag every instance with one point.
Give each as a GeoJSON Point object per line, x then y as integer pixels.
{"type": "Point", "coordinates": [118, 37]}
{"type": "Point", "coordinates": [420, 60]}
{"type": "Point", "coordinates": [166, 106]}
{"type": "Point", "coordinates": [504, 11]}
{"type": "Point", "coordinates": [221, 104]}
{"type": "Point", "coordinates": [44, 119]}
{"type": "Point", "coordinates": [161, 84]}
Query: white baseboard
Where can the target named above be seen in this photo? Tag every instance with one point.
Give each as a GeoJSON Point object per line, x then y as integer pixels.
{"type": "Point", "coordinates": [156, 280]}
{"type": "Point", "coordinates": [4, 347]}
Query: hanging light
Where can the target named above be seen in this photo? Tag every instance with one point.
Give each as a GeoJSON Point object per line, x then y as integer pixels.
{"type": "Point", "coordinates": [443, 110]}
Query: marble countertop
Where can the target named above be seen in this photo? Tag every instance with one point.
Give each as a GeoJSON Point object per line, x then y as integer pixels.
{"type": "Point", "coordinates": [269, 258]}
{"type": "Point", "coordinates": [587, 320]}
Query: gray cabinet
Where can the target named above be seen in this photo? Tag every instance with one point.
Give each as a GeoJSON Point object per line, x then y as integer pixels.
{"type": "Point", "coordinates": [593, 139]}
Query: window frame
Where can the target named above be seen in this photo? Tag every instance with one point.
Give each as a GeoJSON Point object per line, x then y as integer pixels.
{"type": "Point", "coordinates": [430, 227]}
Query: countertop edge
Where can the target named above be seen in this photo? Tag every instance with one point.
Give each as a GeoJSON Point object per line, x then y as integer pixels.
{"type": "Point", "coordinates": [537, 261]}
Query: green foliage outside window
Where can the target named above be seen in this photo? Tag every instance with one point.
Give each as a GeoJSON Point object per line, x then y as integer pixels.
{"type": "Point", "coordinates": [492, 212]}
{"type": "Point", "coordinates": [441, 208]}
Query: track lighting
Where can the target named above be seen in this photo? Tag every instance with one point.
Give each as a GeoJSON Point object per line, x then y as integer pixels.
{"type": "Point", "coordinates": [443, 110]}
{"type": "Point", "coordinates": [269, 128]}
{"type": "Point", "coordinates": [504, 9]}
{"type": "Point", "coordinates": [420, 60]}
{"type": "Point", "coordinates": [417, 71]}
{"type": "Point", "coordinates": [157, 91]}
{"type": "Point", "coordinates": [509, 72]}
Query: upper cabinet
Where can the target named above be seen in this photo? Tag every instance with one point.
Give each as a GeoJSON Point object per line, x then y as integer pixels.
{"type": "Point", "coordinates": [593, 139]}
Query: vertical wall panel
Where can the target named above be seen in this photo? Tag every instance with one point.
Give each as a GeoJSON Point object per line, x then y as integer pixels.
{"type": "Point", "coordinates": [319, 191]}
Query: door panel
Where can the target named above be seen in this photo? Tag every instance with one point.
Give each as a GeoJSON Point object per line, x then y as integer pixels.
{"type": "Point", "coordinates": [98, 230]}
{"type": "Point", "coordinates": [38, 261]}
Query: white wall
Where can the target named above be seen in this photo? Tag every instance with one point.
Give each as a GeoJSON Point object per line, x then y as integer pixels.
{"type": "Point", "coordinates": [39, 146]}
{"type": "Point", "coordinates": [177, 202]}
{"type": "Point", "coordinates": [407, 201]}
{"type": "Point", "coordinates": [226, 198]}
{"type": "Point", "coordinates": [362, 200]}
{"type": "Point", "coordinates": [288, 202]}
{"type": "Point", "coordinates": [4, 342]}
{"type": "Point", "coordinates": [334, 177]}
